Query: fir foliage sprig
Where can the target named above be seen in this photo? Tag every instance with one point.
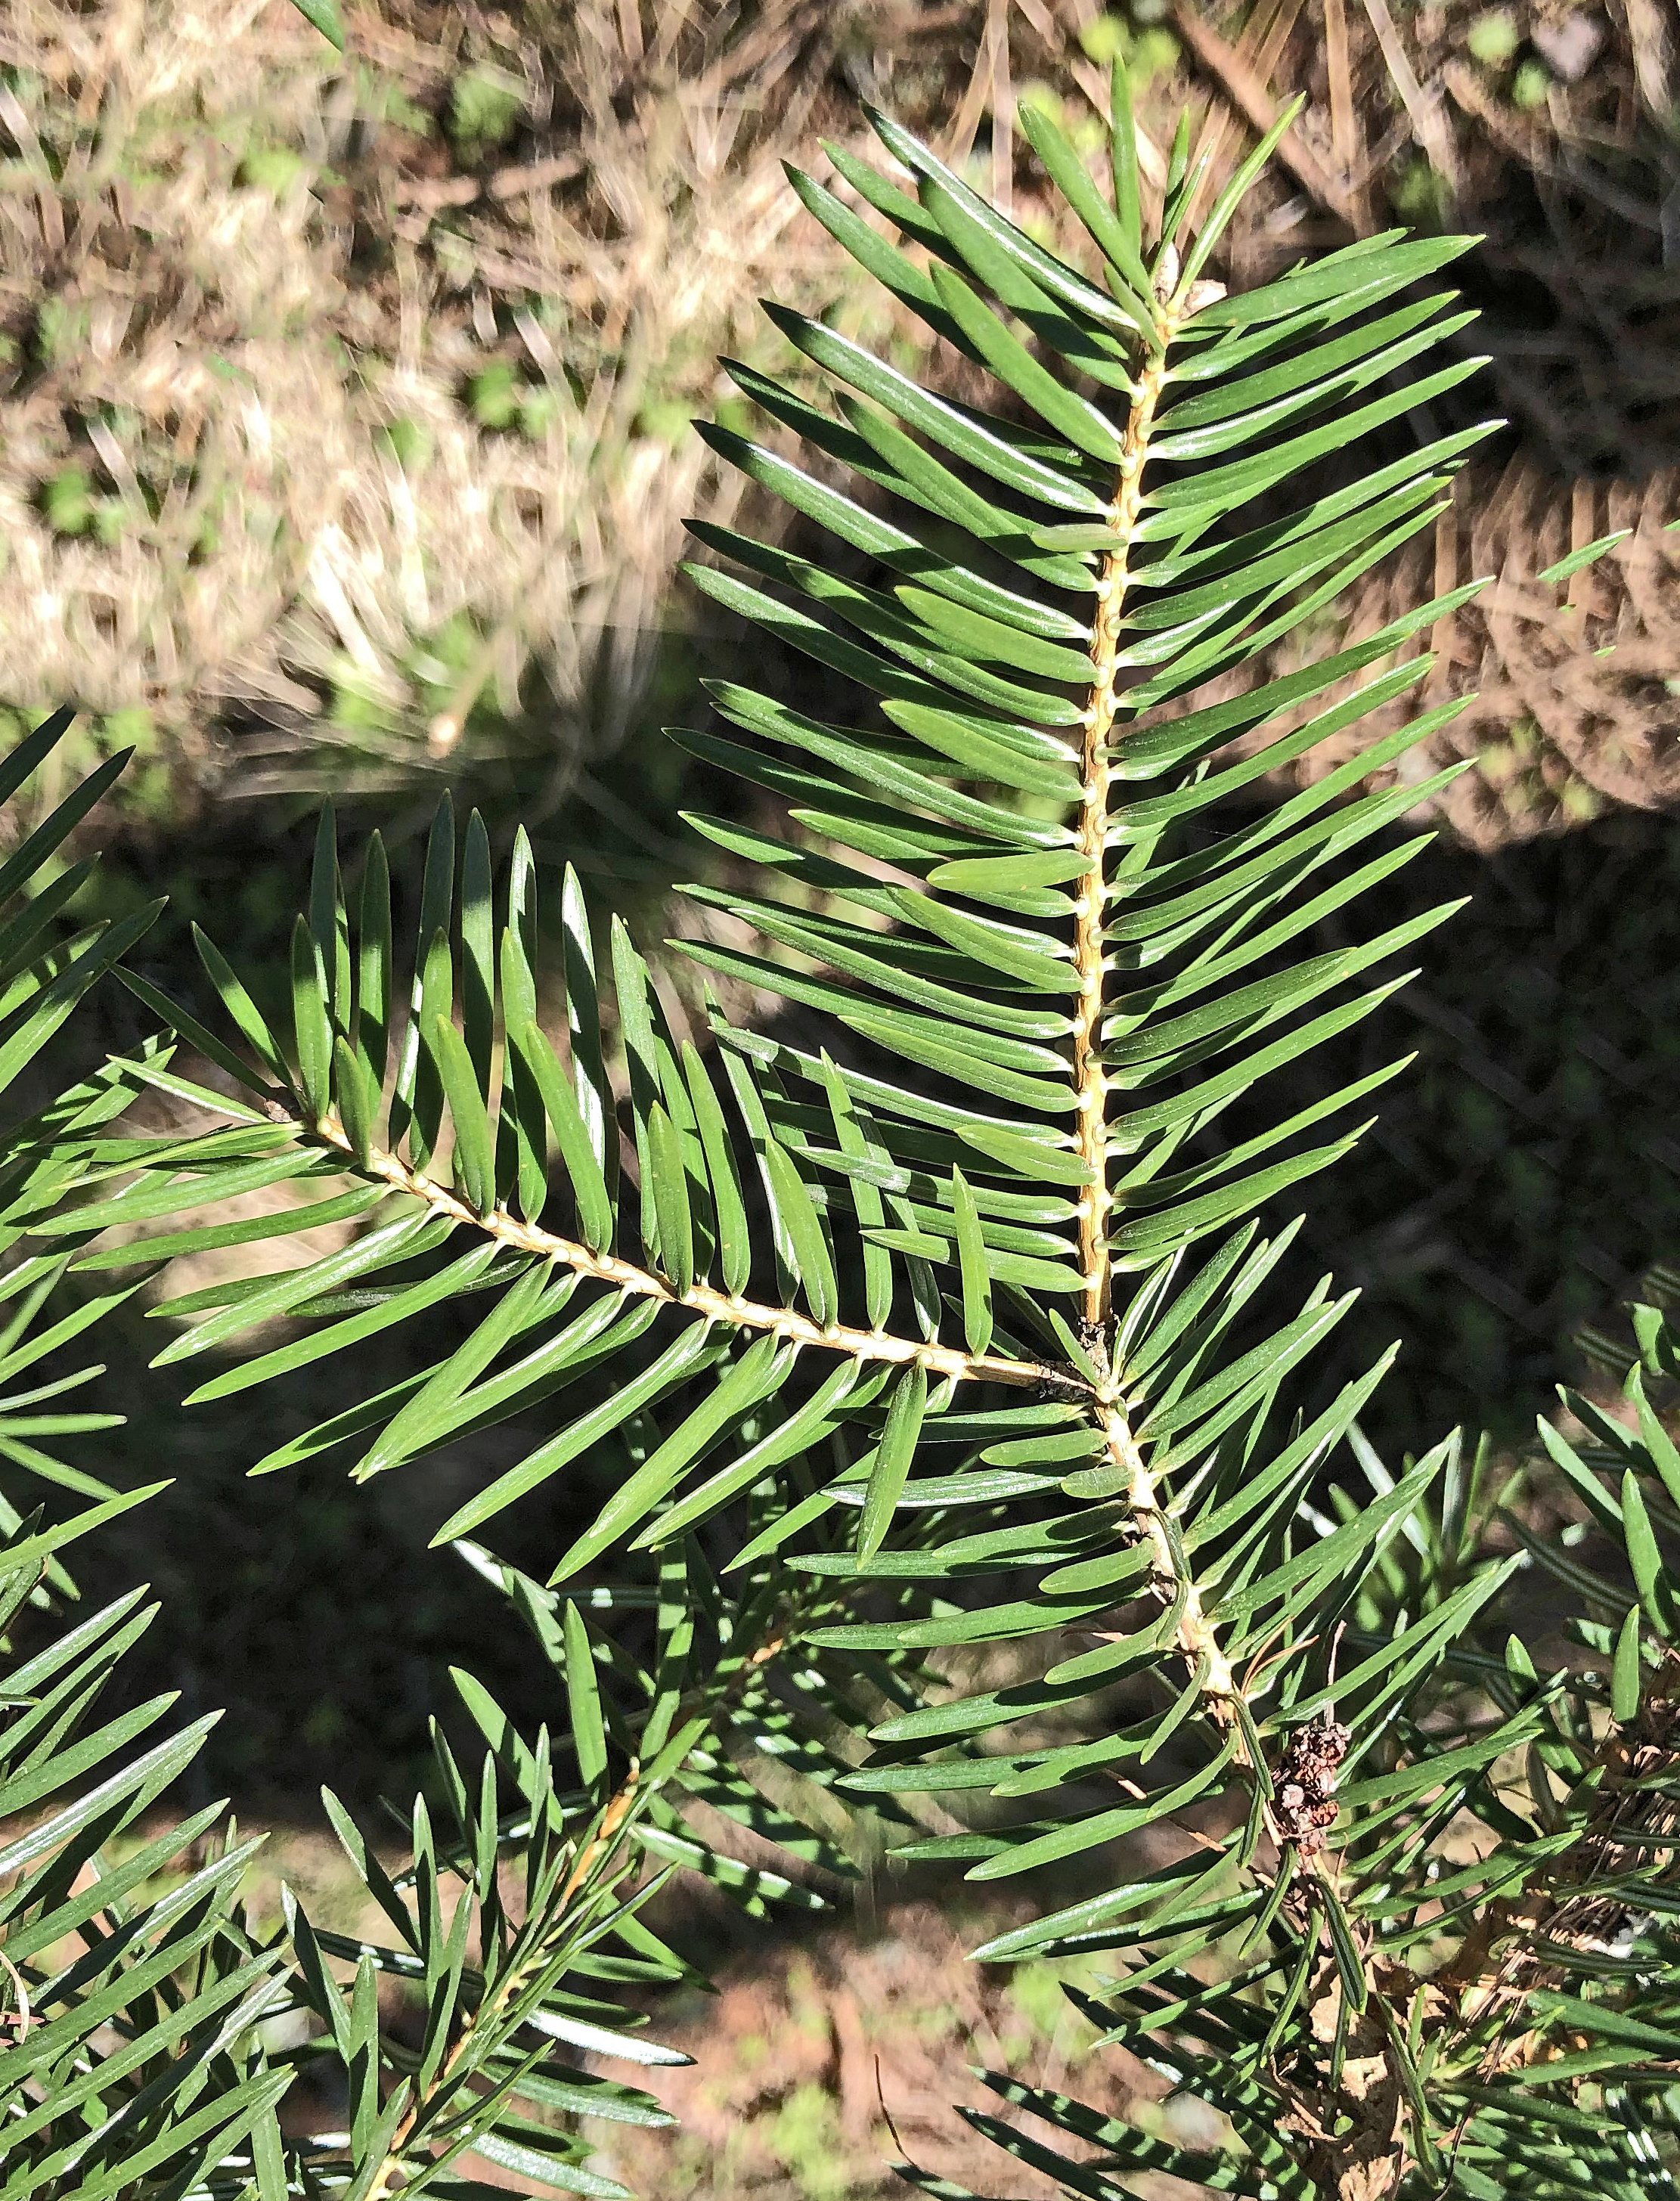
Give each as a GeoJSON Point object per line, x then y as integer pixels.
{"type": "Point", "coordinates": [944, 1314]}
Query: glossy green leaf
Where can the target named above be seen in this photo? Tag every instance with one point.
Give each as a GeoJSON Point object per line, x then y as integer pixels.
{"type": "Point", "coordinates": [474, 1150]}
{"type": "Point", "coordinates": [1067, 170]}
{"type": "Point", "coordinates": [977, 228]}
{"type": "Point", "coordinates": [1379, 267]}
{"type": "Point", "coordinates": [757, 1374]}
{"type": "Point", "coordinates": [735, 1250]}
{"type": "Point", "coordinates": [671, 1198]}
{"type": "Point", "coordinates": [350, 1099]}
{"type": "Point", "coordinates": [969, 440]}
{"type": "Point", "coordinates": [1009, 359]}
{"type": "Point", "coordinates": [813, 1262]}
{"type": "Point", "coordinates": [894, 1454]}
{"type": "Point", "coordinates": [578, 1150]}
{"type": "Point", "coordinates": [411, 1105]}
{"type": "Point", "coordinates": [977, 1306]}
{"type": "Point", "coordinates": [937, 578]}
{"type": "Point", "coordinates": [671, 1367]}
{"type": "Point", "coordinates": [429, 1416]}
{"type": "Point", "coordinates": [188, 1028]}
{"type": "Point", "coordinates": [1624, 1680]}
{"type": "Point", "coordinates": [1643, 1556]}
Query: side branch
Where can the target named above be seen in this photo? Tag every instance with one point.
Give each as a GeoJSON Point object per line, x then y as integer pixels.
{"type": "Point", "coordinates": [703, 1299]}
{"type": "Point", "coordinates": [598, 1852]}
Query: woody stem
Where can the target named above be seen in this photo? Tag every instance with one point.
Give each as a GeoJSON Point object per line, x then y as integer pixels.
{"type": "Point", "coordinates": [1090, 1086]}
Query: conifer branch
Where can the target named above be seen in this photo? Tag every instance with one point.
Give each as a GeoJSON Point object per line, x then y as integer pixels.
{"type": "Point", "coordinates": [698, 1714]}
{"type": "Point", "coordinates": [1025, 1183]}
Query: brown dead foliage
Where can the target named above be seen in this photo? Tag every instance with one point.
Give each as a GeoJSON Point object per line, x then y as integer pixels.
{"type": "Point", "coordinates": [227, 344]}
{"type": "Point", "coordinates": [1566, 694]}
{"type": "Point", "coordinates": [1572, 703]}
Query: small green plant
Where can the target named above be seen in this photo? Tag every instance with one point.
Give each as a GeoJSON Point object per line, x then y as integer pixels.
{"type": "Point", "coordinates": [72, 506]}
{"type": "Point", "coordinates": [501, 398]}
{"type": "Point", "coordinates": [805, 2134]}
{"type": "Point", "coordinates": [1145, 45]}
{"type": "Point", "coordinates": [61, 329]}
{"type": "Point", "coordinates": [485, 108]}
{"type": "Point", "coordinates": [409, 441]}
{"type": "Point", "coordinates": [1492, 38]}
{"type": "Point", "coordinates": [271, 168]}
{"type": "Point", "coordinates": [1419, 194]}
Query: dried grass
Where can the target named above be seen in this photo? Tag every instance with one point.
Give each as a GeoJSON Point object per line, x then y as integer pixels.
{"type": "Point", "coordinates": [249, 297]}
{"type": "Point", "coordinates": [221, 355]}
{"type": "Point", "coordinates": [171, 318]}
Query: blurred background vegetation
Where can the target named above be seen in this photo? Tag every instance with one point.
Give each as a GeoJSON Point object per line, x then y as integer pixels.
{"type": "Point", "coordinates": [344, 447]}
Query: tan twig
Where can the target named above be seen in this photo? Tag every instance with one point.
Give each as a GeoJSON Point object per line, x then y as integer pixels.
{"type": "Point", "coordinates": [1651, 43]}
{"type": "Point", "coordinates": [23, 130]}
{"type": "Point", "coordinates": [429, 195]}
{"type": "Point", "coordinates": [959, 139]}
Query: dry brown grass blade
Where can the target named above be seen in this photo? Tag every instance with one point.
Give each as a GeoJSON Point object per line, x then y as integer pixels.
{"type": "Point", "coordinates": [505, 183]}
{"type": "Point", "coordinates": [1245, 88]}
{"type": "Point", "coordinates": [1346, 136]}
{"type": "Point", "coordinates": [958, 142]}
{"type": "Point", "coordinates": [230, 383]}
{"type": "Point", "coordinates": [1422, 102]}
{"type": "Point", "coordinates": [1218, 123]}
{"type": "Point", "coordinates": [1264, 37]}
{"type": "Point", "coordinates": [1003, 106]}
